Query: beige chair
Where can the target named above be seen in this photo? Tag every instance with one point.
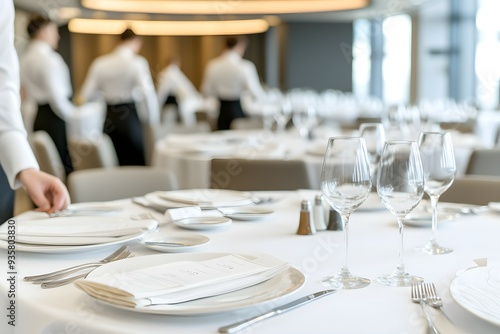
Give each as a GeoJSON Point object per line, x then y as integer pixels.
{"type": "Point", "coordinates": [242, 174]}
{"type": "Point", "coordinates": [463, 127]}
{"type": "Point", "coordinates": [46, 154]}
{"type": "Point", "coordinates": [247, 123]}
{"type": "Point", "coordinates": [484, 162]}
{"type": "Point", "coordinates": [105, 184]}
{"type": "Point", "coordinates": [22, 202]}
{"type": "Point", "coordinates": [472, 189]}
{"type": "Point", "coordinates": [154, 132]}
{"type": "Point", "coordinates": [92, 153]}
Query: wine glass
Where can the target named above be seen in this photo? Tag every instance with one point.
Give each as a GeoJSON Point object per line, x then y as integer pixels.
{"type": "Point", "coordinates": [282, 115]}
{"type": "Point", "coordinates": [305, 119]}
{"type": "Point", "coordinates": [374, 136]}
{"type": "Point", "coordinates": [345, 184]}
{"type": "Point", "coordinates": [438, 161]}
{"type": "Point", "coordinates": [400, 185]}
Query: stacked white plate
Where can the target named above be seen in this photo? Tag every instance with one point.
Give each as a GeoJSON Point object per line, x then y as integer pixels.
{"type": "Point", "coordinates": [208, 198]}
{"type": "Point", "coordinates": [71, 234]}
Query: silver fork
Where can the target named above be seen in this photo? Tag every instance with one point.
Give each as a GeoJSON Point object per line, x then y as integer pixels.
{"type": "Point", "coordinates": [65, 281]}
{"type": "Point", "coordinates": [417, 297]}
{"type": "Point", "coordinates": [59, 273]}
{"type": "Point", "coordinates": [432, 299]}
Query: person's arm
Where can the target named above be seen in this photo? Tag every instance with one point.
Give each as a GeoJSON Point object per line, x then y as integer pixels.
{"type": "Point", "coordinates": [88, 91]}
{"type": "Point", "coordinates": [207, 89]}
{"type": "Point", "coordinates": [53, 78]}
{"type": "Point", "coordinates": [252, 81]}
{"type": "Point", "coordinates": [149, 99]}
{"type": "Point", "coordinates": [16, 158]}
{"type": "Point", "coordinates": [164, 87]}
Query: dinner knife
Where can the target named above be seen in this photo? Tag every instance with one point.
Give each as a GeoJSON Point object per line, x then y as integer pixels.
{"type": "Point", "coordinates": [275, 311]}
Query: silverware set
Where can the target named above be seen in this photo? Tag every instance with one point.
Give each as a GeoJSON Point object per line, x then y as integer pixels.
{"type": "Point", "coordinates": [59, 277]}
{"type": "Point", "coordinates": [426, 295]}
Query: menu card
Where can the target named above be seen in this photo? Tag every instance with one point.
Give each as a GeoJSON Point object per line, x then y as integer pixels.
{"type": "Point", "coordinates": [182, 281]}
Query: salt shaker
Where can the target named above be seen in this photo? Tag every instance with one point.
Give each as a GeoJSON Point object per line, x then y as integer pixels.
{"type": "Point", "coordinates": [306, 224]}
{"type": "Point", "coordinates": [334, 221]}
{"type": "Point", "coordinates": [319, 214]}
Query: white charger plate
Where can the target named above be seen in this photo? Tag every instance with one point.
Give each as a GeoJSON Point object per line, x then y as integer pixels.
{"type": "Point", "coordinates": [476, 291]}
{"type": "Point", "coordinates": [424, 219]}
{"type": "Point", "coordinates": [208, 198]}
{"type": "Point", "coordinates": [283, 284]}
{"type": "Point", "coordinates": [203, 223]}
{"type": "Point", "coordinates": [246, 212]}
{"type": "Point", "coordinates": [192, 241]}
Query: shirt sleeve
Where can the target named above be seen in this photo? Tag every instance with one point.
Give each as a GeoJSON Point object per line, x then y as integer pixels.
{"type": "Point", "coordinates": [149, 102]}
{"type": "Point", "coordinates": [252, 80]}
{"type": "Point", "coordinates": [61, 105]}
{"type": "Point", "coordinates": [164, 87]}
{"type": "Point", "coordinates": [16, 154]}
{"type": "Point", "coordinates": [88, 92]}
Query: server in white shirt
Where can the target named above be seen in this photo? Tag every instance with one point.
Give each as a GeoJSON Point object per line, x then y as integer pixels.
{"type": "Point", "coordinates": [45, 78]}
{"type": "Point", "coordinates": [227, 77]}
{"type": "Point", "coordinates": [18, 166]}
{"type": "Point", "coordinates": [123, 79]}
{"type": "Point", "coordinates": [175, 89]}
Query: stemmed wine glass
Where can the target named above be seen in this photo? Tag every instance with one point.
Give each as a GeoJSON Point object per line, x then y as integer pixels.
{"type": "Point", "coordinates": [438, 161]}
{"type": "Point", "coordinates": [345, 184]}
{"type": "Point", "coordinates": [305, 119]}
{"type": "Point", "coordinates": [374, 136]}
{"type": "Point", "coordinates": [400, 185]}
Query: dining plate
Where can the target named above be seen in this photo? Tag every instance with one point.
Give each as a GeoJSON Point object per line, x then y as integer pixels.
{"type": "Point", "coordinates": [174, 242]}
{"type": "Point", "coordinates": [372, 203]}
{"type": "Point", "coordinates": [495, 206]}
{"type": "Point", "coordinates": [270, 291]}
{"type": "Point", "coordinates": [478, 291]}
{"type": "Point", "coordinates": [424, 219]}
{"type": "Point", "coordinates": [246, 212]}
{"type": "Point", "coordinates": [208, 198]}
{"type": "Point", "coordinates": [49, 249]}
{"type": "Point", "coordinates": [203, 223]}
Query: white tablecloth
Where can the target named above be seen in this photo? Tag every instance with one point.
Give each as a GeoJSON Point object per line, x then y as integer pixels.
{"type": "Point", "coordinates": [183, 155]}
{"type": "Point", "coordinates": [373, 251]}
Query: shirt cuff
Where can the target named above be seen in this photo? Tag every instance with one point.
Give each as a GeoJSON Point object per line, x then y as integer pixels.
{"type": "Point", "coordinates": [16, 156]}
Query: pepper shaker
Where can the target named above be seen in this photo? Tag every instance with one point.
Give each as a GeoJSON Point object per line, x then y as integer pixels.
{"type": "Point", "coordinates": [306, 224]}
{"type": "Point", "coordinates": [334, 221]}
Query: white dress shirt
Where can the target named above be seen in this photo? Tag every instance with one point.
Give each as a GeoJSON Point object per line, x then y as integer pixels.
{"type": "Point", "coordinates": [45, 77]}
{"type": "Point", "coordinates": [171, 81]}
{"type": "Point", "coordinates": [15, 151]}
{"type": "Point", "coordinates": [228, 76]}
{"type": "Point", "coordinates": [122, 77]}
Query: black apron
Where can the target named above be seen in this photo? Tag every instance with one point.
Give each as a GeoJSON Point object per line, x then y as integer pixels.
{"type": "Point", "coordinates": [123, 126]}
{"type": "Point", "coordinates": [229, 110]}
{"type": "Point", "coordinates": [49, 122]}
{"type": "Point", "coordinates": [6, 198]}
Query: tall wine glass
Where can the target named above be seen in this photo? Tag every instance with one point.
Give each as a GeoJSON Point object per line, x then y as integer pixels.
{"type": "Point", "coordinates": [400, 185]}
{"type": "Point", "coordinates": [345, 184]}
{"type": "Point", "coordinates": [305, 119]}
{"type": "Point", "coordinates": [438, 161]}
{"type": "Point", "coordinates": [374, 136]}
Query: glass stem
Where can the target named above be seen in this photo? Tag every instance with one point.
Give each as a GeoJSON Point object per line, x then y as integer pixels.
{"type": "Point", "coordinates": [434, 203]}
{"type": "Point", "coordinates": [400, 269]}
{"type": "Point", "coordinates": [344, 271]}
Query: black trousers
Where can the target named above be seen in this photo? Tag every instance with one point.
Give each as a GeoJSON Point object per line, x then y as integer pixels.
{"type": "Point", "coordinates": [123, 126]}
{"type": "Point", "coordinates": [229, 110]}
{"type": "Point", "coordinates": [49, 122]}
{"type": "Point", "coordinates": [6, 198]}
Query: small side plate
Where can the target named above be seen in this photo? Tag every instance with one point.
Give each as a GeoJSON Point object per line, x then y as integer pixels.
{"type": "Point", "coordinates": [203, 223]}
{"type": "Point", "coordinates": [246, 212]}
{"type": "Point", "coordinates": [175, 242]}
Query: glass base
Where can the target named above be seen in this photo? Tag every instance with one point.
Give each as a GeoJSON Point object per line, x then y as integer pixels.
{"type": "Point", "coordinates": [432, 248]}
{"type": "Point", "coordinates": [399, 279]}
{"type": "Point", "coordinates": [345, 282]}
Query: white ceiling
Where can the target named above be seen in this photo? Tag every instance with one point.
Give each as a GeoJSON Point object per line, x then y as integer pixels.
{"type": "Point", "coordinates": [378, 8]}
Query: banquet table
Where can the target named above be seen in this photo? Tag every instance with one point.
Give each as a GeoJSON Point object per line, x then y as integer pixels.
{"type": "Point", "coordinates": [373, 251]}
{"type": "Point", "coordinates": [188, 156]}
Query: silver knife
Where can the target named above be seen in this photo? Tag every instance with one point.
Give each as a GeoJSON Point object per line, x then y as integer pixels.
{"type": "Point", "coordinates": [275, 311]}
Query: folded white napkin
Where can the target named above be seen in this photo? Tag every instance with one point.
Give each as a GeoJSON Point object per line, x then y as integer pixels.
{"type": "Point", "coordinates": [182, 281]}
{"type": "Point", "coordinates": [189, 212]}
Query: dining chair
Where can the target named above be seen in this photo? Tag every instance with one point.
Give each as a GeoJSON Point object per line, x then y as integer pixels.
{"type": "Point", "coordinates": [463, 127]}
{"type": "Point", "coordinates": [89, 153]}
{"type": "Point", "coordinates": [46, 154]}
{"type": "Point", "coordinates": [484, 162]}
{"type": "Point", "coordinates": [154, 132]}
{"type": "Point", "coordinates": [106, 184]}
{"type": "Point", "coordinates": [254, 175]}
{"type": "Point", "coordinates": [247, 123]}
{"type": "Point", "coordinates": [473, 189]}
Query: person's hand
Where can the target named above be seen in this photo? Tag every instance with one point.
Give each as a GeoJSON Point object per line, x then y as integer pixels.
{"type": "Point", "coordinates": [47, 192]}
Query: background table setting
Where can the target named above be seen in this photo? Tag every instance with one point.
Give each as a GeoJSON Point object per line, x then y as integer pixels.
{"type": "Point", "coordinates": [372, 253]}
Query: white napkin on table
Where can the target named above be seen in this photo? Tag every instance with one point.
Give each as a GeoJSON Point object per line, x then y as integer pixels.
{"type": "Point", "coordinates": [182, 281]}
{"type": "Point", "coordinates": [189, 212]}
